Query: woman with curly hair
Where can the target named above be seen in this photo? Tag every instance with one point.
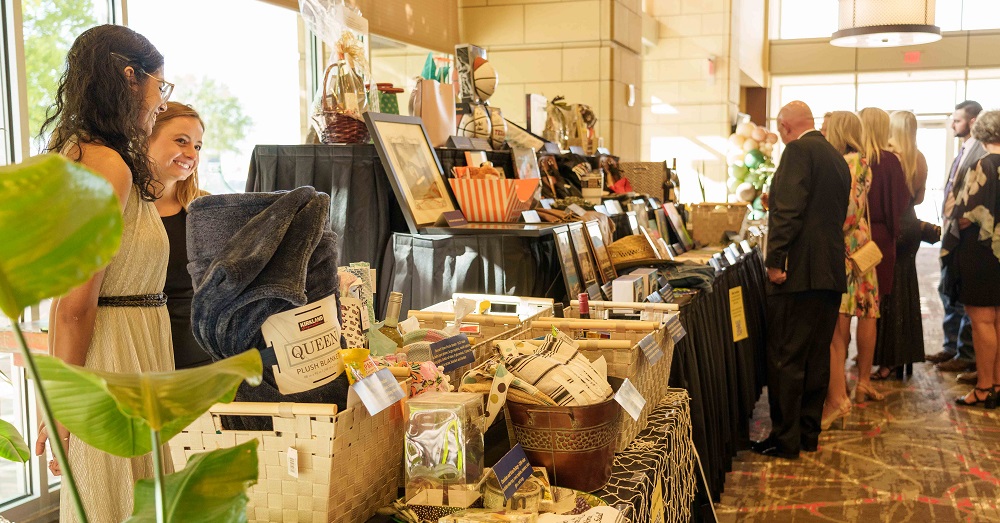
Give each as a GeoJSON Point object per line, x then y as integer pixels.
{"type": "Point", "coordinates": [977, 249]}
{"type": "Point", "coordinates": [106, 103]}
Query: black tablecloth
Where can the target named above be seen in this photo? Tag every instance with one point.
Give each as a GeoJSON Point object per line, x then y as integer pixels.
{"type": "Point", "coordinates": [724, 378]}
{"type": "Point", "coordinates": [429, 269]}
{"type": "Point", "coordinates": [363, 209]}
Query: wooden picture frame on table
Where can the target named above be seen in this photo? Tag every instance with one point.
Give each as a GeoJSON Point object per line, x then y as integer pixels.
{"type": "Point", "coordinates": [585, 260]}
{"type": "Point", "coordinates": [567, 262]}
{"type": "Point", "coordinates": [633, 222]}
{"type": "Point", "coordinates": [652, 243]}
{"type": "Point", "coordinates": [600, 250]}
{"type": "Point", "coordinates": [412, 166]}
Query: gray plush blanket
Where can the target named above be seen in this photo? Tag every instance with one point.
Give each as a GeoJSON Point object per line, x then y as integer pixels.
{"type": "Point", "coordinates": [251, 256]}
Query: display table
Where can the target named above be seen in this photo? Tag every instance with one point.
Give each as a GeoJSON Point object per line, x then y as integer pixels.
{"type": "Point", "coordinates": [724, 378]}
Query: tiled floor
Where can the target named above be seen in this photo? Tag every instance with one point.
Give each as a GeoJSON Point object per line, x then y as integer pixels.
{"type": "Point", "coordinates": [913, 457]}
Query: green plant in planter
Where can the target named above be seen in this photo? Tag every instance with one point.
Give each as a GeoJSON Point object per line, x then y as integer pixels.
{"type": "Point", "coordinates": [61, 223]}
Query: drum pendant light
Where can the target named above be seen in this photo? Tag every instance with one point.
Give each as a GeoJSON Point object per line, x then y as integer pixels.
{"type": "Point", "coordinates": [885, 23]}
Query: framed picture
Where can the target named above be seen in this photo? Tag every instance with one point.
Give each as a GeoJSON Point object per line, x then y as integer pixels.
{"type": "Point", "coordinates": [661, 223]}
{"type": "Point", "coordinates": [606, 268]}
{"type": "Point", "coordinates": [564, 248]}
{"type": "Point", "coordinates": [613, 207]}
{"type": "Point", "coordinates": [588, 271]}
{"type": "Point", "coordinates": [677, 226]}
{"type": "Point", "coordinates": [525, 163]}
{"type": "Point", "coordinates": [412, 166]}
{"type": "Point", "coordinates": [633, 223]}
{"type": "Point", "coordinates": [652, 244]}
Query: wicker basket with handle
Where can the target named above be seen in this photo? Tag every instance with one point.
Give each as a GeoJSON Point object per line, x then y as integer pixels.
{"type": "Point", "coordinates": [339, 126]}
{"type": "Point", "coordinates": [350, 463]}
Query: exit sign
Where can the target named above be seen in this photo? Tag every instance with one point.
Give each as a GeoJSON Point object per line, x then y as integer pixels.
{"type": "Point", "coordinates": [911, 57]}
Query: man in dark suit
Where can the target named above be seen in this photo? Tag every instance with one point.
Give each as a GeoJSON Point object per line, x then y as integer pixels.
{"type": "Point", "coordinates": [805, 269]}
{"type": "Point", "coordinates": [957, 353]}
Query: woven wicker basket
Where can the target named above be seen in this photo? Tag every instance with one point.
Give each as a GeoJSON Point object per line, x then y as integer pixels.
{"type": "Point", "coordinates": [491, 327]}
{"type": "Point", "coordinates": [624, 357]}
{"type": "Point", "coordinates": [350, 463]}
{"type": "Point", "coordinates": [711, 220]}
{"type": "Point", "coordinates": [340, 127]}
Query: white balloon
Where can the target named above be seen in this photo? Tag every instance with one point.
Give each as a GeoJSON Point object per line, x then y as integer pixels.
{"type": "Point", "coordinates": [772, 138]}
{"type": "Point", "coordinates": [749, 145]}
{"type": "Point", "coordinates": [735, 157]}
{"type": "Point", "coordinates": [759, 134]}
{"type": "Point", "coordinates": [746, 192]}
{"type": "Point", "coordinates": [736, 140]}
{"type": "Point", "coordinates": [766, 149]}
{"type": "Point", "coordinates": [745, 129]}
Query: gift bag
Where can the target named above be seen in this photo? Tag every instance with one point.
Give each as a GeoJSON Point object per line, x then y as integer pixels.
{"type": "Point", "coordinates": [493, 200]}
{"type": "Point", "coordinates": [434, 103]}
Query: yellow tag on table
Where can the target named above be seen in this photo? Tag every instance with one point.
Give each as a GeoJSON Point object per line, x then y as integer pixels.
{"type": "Point", "coordinates": [736, 314]}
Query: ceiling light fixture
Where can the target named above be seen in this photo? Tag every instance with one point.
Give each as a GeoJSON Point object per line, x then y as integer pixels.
{"type": "Point", "coordinates": [885, 23]}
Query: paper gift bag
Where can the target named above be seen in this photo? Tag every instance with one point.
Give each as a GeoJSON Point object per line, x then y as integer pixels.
{"type": "Point", "coordinates": [493, 200]}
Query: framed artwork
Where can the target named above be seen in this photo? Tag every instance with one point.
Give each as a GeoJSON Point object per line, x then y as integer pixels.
{"type": "Point", "coordinates": [633, 223]}
{"type": "Point", "coordinates": [652, 244]}
{"type": "Point", "coordinates": [525, 163]}
{"type": "Point", "coordinates": [606, 268]}
{"type": "Point", "coordinates": [588, 271]}
{"type": "Point", "coordinates": [412, 166]}
{"type": "Point", "coordinates": [677, 226]}
{"type": "Point", "coordinates": [661, 223]}
{"type": "Point", "coordinates": [574, 286]}
{"type": "Point", "coordinates": [642, 215]}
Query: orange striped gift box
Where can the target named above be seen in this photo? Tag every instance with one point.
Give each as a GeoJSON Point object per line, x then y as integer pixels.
{"type": "Point", "coordinates": [493, 200]}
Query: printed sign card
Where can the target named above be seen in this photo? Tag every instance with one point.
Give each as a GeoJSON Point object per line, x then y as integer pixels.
{"type": "Point", "coordinates": [512, 471]}
{"type": "Point", "coordinates": [651, 349]}
{"type": "Point", "coordinates": [452, 353]}
{"type": "Point", "coordinates": [630, 399]}
{"type": "Point", "coordinates": [378, 391]}
{"type": "Point", "coordinates": [737, 315]}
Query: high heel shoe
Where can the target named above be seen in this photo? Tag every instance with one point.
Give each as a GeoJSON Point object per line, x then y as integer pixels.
{"type": "Point", "coordinates": [841, 413]}
{"type": "Point", "coordinates": [989, 402]}
{"type": "Point", "coordinates": [865, 392]}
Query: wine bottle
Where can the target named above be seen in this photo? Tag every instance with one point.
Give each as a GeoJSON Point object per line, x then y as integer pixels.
{"type": "Point", "coordinates": [584, 300]}
{"type": "Point", "coordinates": [389, 325]}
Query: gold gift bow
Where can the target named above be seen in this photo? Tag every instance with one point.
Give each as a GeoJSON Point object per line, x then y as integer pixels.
{"type": "Point", "coordinates": [349, 47]}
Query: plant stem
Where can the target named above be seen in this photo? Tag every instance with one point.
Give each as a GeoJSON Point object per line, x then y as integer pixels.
{"type": "Point", "coordinates": [161, 516]}
{"type": "Point", "coordinates": [55, 443]}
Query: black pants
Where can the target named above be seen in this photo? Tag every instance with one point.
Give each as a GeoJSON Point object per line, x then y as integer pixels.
{"type": "Point", "coordinates": [800, 327]}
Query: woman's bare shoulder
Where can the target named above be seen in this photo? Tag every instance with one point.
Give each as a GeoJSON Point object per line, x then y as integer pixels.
{"type": "Point", "coordinates": [109, 164]}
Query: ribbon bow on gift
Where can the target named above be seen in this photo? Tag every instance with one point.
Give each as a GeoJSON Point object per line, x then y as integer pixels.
{"type": "Point", "coordinates": [349, 48]}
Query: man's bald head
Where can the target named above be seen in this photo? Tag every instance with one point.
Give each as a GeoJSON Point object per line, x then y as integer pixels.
{"type": "Point", "coordinates": [793, 120]}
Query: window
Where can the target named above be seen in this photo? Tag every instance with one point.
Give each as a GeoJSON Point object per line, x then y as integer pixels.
{"type": "Point", "coordinates": [50, 26]}
{"type": "Point", "coordinates": [14, 482]}
{"type": "Point", "coordinates": [223, 69]}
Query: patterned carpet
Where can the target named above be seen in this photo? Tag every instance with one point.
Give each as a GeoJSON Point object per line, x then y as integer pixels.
{"type": "Point", "coordinates": [915, 457]}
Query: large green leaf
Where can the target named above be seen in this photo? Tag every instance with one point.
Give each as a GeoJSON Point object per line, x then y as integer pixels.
{"type": "Point", "coordinates": [12, 445]}
{"type": "Point", "coordinates": [211, 488]}
{"type": "Point", "coordinates": [60, 223]}
{"type": "Point", "coordinates": [115, 412]}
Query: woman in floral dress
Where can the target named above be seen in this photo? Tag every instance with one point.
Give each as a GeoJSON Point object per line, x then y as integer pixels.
{"type": "Point", "coordinates": [843, 131]}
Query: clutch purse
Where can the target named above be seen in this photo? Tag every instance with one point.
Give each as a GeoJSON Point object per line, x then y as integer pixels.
{"type": "Point", "coordinates": [866, 257]}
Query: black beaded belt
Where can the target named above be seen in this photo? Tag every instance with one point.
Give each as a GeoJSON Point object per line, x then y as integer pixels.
{"type": "Point", "coordinates": [140, 300]}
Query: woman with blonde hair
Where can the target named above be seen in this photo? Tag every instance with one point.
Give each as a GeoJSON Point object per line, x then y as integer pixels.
{"type": "Point", "coordinates": [888, 199]}
{"type": "Point", "coordinates": [175, 149]}
{"type": "Point", "coordinates": [843, 131]}
{"type": "Point", "coordinates": [900, 329]}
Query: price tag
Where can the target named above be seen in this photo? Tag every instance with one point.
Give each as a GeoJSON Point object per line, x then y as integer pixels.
{"type": "Point", "coordinates": [531, 216]}
{"type": "Point", "coordinates": [408, 325]}
{"type": "Point", "coordinates": [736, 314]}
{"type": "Point", "coordinates": [378, 391]}
{"type": "Point", "coordinates": [452, 353]}
{"type": "Point", "coordinates": [292, 462]}
{"type": "Point", "coordinates": [652, 350]}
{"type": "Point", "coordinates": [454, 218]}
{"type": "Point", "coordinates": [576, 209]}
{"type": "Point", "coordinates": [602, 209]}
{"type": "Point", "coordinates": [675, 328]}
{"type": "Point", "coordinates": [512, 471]}
{"type": "Point", "coordinates": [745, 247]}
{"type": "Point", "coordinates": [630, 399]}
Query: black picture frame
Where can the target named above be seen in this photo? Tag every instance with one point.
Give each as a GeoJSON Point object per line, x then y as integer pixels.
{"type": "Point", "coordinates": [677, 225]}
{"type": "Point", "coordinates": [586, 263]}
{"type": "Point", "coordinates": [412, 167]}
{"type": "Point", "coordinates": [567, 261]}
{"type": "Point", "coordinates": [600, 250]}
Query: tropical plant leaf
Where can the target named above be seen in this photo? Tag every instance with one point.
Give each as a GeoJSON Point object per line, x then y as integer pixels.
{"type": "Point", "coordinates": [12, 445]}
{"type": "Point", "coordinates": [60, 223]}
{"type": "Point", "coordinates": [115, 412]}
{"type": "Point", "coordinates": [211, 488]}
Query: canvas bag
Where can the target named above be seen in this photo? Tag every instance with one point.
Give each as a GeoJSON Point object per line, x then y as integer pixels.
{"type": "Point", "coordinates": [434, 103]}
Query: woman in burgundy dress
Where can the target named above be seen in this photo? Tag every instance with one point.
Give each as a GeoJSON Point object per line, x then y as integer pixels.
{"type": "Point", "coordinates": [888, 200]}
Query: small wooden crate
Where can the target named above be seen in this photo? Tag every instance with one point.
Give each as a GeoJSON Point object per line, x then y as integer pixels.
{"type": "Point", "coordinates": [350, 463]}
{"type": "Point", "coordinates": [624, 357]}
{"type": "Point", "coordinates": [711, 220]}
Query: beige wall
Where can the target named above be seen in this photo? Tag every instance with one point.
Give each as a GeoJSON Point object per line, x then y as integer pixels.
{"type": "Point", "coordinates": [700, 104]}
{"type": "Point", "coordinates": [585, 50]}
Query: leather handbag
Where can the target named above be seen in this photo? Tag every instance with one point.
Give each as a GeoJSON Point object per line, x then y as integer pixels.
{"type": "Point", "coordinates": [868, 255]}
{"type": "Point", "coordinates": [434, 103]}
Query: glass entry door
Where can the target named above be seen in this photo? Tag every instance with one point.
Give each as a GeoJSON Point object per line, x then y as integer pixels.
{"type": "Point", "coordinates": [936, 140]}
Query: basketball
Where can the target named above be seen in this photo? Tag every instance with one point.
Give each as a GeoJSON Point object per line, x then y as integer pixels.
{"type": "Point", "coordinates": [499, 135]}
{"type": "Point", "coordinates": [485, 78]}
{"type": "Point", "coordinates": [475, 124]}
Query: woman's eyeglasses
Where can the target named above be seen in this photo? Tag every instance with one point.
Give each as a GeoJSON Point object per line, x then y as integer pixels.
{"type": "Point", "coordinates": [166, 88]}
